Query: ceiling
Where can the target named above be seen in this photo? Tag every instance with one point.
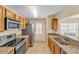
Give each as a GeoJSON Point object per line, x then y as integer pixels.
{"type": "Point", "coordinates": [38, 11]}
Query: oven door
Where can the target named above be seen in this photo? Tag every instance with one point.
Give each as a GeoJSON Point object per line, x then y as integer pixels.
{"type": "Point", "coordinates": [20, 48]}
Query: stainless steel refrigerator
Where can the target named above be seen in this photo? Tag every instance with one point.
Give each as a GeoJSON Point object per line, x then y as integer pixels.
{"type": "Point", "coordinates": [29, 30]}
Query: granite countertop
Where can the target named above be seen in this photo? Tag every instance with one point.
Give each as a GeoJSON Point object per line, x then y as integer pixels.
{"type": "Point", "coordinates": [72, 48]}
{"type": "Point", "coordinates": [6, 50]}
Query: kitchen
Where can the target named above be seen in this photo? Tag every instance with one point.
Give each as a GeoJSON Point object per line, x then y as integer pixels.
{"type": "Point", "coordinates": [53, 31]}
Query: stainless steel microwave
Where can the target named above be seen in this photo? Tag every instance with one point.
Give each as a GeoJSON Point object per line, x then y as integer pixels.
{"type": "Point", "coordinates": [10, 24]}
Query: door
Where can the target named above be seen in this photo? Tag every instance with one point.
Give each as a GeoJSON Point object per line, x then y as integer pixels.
{"type": "Point", "coordinates": [39, 30]}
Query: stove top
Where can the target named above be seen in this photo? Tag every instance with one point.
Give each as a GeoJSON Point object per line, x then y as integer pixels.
{"type": "Point", "coordinates": [13, 43]}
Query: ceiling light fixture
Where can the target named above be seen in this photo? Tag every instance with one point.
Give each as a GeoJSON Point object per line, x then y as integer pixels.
{"type": "Point", "coordinates": [33, 10]}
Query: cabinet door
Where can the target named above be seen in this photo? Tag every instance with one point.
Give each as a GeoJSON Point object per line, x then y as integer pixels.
{"type": "Point", "coordinates": [52, 47]}
{"type": "Point", "coordinates": [2, 15]}
{"type": "Point", "coordinates": [10, 14]}
{"type": "Point", "coordinates": [57, 49]}
{"type": "Point", "coordinates": [54, 23]}
{"type": "Point", "coordinates": [27, 22]}
{"type": "Point", "coordinates": [49, 43]}
{"type": "Point", "coordinates": [27, 41]}
{"type": "Point", "coordinates": [22, 23]}
{"type": "Point", "coordinates": [18, 18]}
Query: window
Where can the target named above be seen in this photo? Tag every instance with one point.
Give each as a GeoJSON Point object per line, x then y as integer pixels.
{"type": "Point", "coordinates": [38, 28]}
{"type": "Point", "coordinates": [69, 29]}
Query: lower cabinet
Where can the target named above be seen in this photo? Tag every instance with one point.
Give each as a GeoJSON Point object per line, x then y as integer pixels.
{"type": "Point", "coordinates": [27, 41]}
{"type": "Point", "coordinates": [51, 45]}
{"type": "Point", "coordinates": [57, 49]}
{"type": "Point", "coordinates": [54, 48]}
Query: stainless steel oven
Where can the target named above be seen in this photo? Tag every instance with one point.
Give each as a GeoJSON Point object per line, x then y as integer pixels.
{"type": "Point", "coordinates": [11, 41]}
{"type": "Point", "coordinates": [20, 47]}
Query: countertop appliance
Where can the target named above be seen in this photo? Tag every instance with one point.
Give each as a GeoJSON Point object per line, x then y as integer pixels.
{"type": "Point", "coordinates": [18, 44]}
{"type": "Point", "coordinates": [10, 24]}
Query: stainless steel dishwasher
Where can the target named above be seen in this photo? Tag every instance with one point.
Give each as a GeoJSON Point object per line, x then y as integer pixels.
{"type": "Point", "coordinates": [20, 47]}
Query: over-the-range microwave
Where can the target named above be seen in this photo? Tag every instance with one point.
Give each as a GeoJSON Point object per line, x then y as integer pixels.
{"type": "Point", "coordinates": [10, 24]}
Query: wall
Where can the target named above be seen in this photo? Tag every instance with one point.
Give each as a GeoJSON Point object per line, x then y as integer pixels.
{"type": "Point", "coordinates": [41, 37]}
{"type": "Point", "coordinates": [68, 11]}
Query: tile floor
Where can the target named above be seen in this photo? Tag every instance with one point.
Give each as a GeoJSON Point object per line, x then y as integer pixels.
{"type": "Point", "coordinates": [39, 48]}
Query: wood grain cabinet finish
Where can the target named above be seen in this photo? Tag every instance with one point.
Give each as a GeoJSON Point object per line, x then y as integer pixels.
{"type": "Point", "coordinates": [2, 15]}
{"type": "Point", "coordinates": [27, 41]}
{"type": "Point", "coordinates": [54, 48]}
{"type": "Point", "coordinates": [49, 42]}
{"type": "Point", "coordinates": [22, 23]}
{"type": "Point", "coordinates": [18, 17]}
{"type": "Point", "coordinates": [54, 23]}
{"type": "Point", "coordinates": [51, 45]}
{"type": "Point", "coordinates": [57, 49]}
{"type": "Point", "coordinates": [10, 14]}
{"type": "Point", "coordinates": [27, 21]}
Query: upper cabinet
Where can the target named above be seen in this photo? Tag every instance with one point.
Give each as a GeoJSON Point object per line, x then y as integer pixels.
{"type": "Point", "coordinates": [10, 14]}
{"type": "Point", "coordinates": [2, 15]}
{"type": "Point", "coordinates": [27, 22]}
{"type": "Point", "coordinates": [54, 23]}
{"type": "Point", "coordinates": [17, 17]}
{"type": "Point", "coordinates": [22, 23]}
{"type": "Point", "coordinates": [4, 12]}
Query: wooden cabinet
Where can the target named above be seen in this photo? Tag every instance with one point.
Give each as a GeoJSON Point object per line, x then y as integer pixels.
{"type": "Point", "coordinates": [21, 23]}
{"type": "Point", "coordinates": [27, 41]}
{"type": "Point", "coordinates": [18, 17]}
{"type": "Point", "coordinates": [57, 49]}
{"type": "Point", "coordinates": [54, 23]}
{"type": "Point", "coordinates": [10, 14]}
{"type": "Point", "coordinates": [27, 22]}
{"type": "Point", "coordinates": [54, 48]}
{"type": "Point", "coordinates": [51, 45]}
{"type": "Point", "coordinates": [24, 24]}
{"type": "Point", "coordinates": [2, 15]}
{"type": "Point", "coordinates": [49, 42]}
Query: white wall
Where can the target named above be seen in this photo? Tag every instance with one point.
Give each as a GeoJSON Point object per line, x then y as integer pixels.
{"type": "Point", "coordinates": [68, 11]}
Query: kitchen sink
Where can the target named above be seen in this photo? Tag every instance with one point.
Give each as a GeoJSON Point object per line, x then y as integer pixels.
{"type": "Point", "coordinates": [61, 41]}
